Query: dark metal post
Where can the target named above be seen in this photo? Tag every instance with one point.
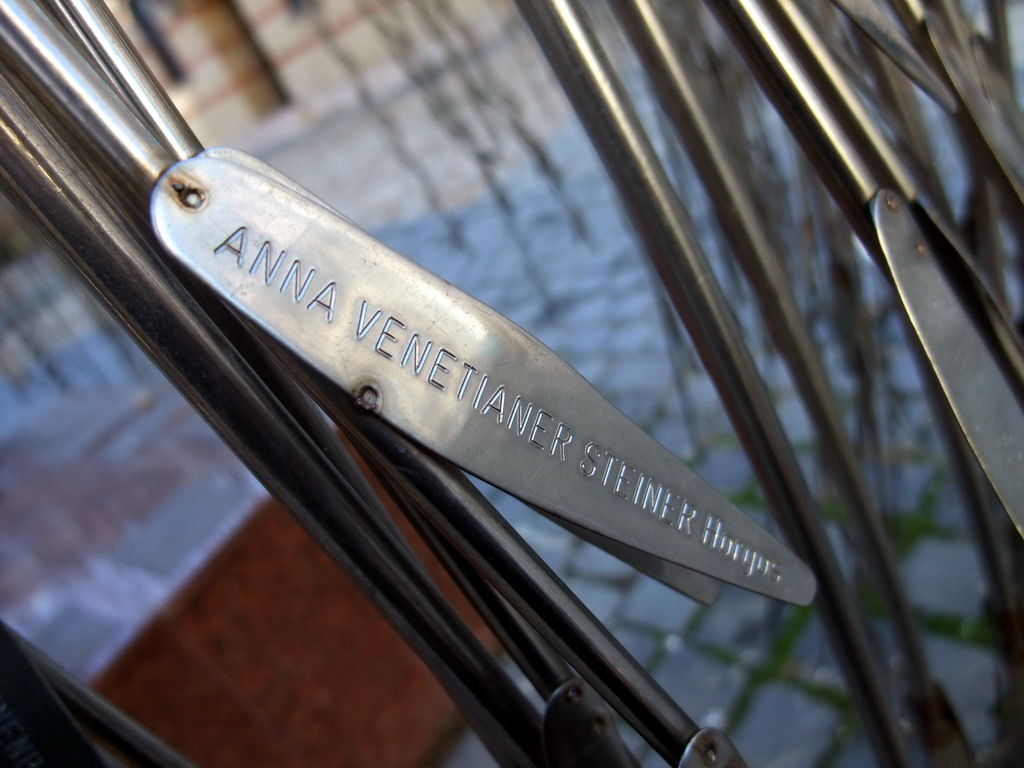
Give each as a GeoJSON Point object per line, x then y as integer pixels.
{"type": "Point", "coordinates": [203, 364]}
{"type": "Point", "coordinates": [498, 553]}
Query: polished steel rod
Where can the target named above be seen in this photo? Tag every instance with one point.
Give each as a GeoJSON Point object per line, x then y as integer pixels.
{"type": "Point", "coordinates": [999, 38]}
{"type": "Point", "coordinates": [96, 27]}
{"type": "Point", "coordinates": [36, 51]}
{"type": "Point", "coordinates": [483, 537]}
{"type": "Point", "coordinates": [910, 12]}
{"type": "Point", "coordinates": [74, 216]}
{"type": "Point", "coordinates": [946, 38]}
{"type": "Point", "coordinates": [806, 85]}
{"type": "Point", "coordinates": [544, 668]}
{"type": "Point", "coordinates": [751, 246]}
{"type": "Point", "coordinates": [663, 226]}
{"type": "Point", "coordinates": [774, 36]}
{"type": "Point", "coordinates": [897, 93]}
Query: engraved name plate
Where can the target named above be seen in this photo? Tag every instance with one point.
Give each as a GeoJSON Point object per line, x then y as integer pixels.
{"type": "Point", "coordinates": [451, 373]}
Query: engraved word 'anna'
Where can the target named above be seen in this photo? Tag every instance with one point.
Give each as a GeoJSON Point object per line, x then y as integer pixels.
{"type": "Point", "coordinates": [237, 244]}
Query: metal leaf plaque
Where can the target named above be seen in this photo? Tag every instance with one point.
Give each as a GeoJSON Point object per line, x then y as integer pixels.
{"type": "Point", "coordinates": [450, 372]}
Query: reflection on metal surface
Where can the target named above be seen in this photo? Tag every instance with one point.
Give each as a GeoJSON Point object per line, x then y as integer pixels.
{"type": "Point", "coordinates": [985, 405]}
{"type": "Point", "coordinates": [453, 374]}
{"type": "Point", "coordinates": [987, 99]}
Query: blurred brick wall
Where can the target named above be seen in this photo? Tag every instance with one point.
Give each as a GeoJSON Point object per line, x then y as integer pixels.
{"type": "Point", "coordinates": [243, 59]}
{"type": "Point", "coordinates": [226, 86]}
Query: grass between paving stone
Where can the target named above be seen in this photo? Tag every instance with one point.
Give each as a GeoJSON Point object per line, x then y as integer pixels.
{"type": "Point", "coordinates": [777, 667]}
{"type": "Point", "coordinates": [749, 495]}
{"type": "Point", "coordinates": [844, 735]}
{"type": "Point", "coordinates": [771, 669]}
{"type": "Point", "coordinates": [720, 439]}
{"type": "Point", "coordinates": [906, 530]}
{"type": "Point", "coordinates": [833, 511]}
{"type": "Point", "coordinates": [970, 630]}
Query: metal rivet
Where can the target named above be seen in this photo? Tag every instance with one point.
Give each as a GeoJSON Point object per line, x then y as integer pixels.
{"type": "Point", "coordinates": [890, 201]}
{"type": "Point", "coordinates": [710, 754]}
{"type": "Point", "coordinates": [191, 197]}
{"type": "Point", "coordinates": [369, 398]}
{"type": "Point", "coordinates": [919, 247]}
{"type": "Point", "coordinates": [598, 724]}
{"type": "Point", "coordinates": [573, 694]}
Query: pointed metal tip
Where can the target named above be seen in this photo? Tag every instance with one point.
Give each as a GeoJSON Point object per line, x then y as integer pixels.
{"type": "Point", "coordinates": [809, 591]}
{"type": "Point", "coordinates": [801, 586]}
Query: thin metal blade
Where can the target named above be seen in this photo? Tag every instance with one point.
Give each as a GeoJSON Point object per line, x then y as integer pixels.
{"type": "Point", "coordinates": [972, 379]}
{"type": "Point", "coordinates": [890, 39]}
{"type": "Point", "coordinates": [688, 582]}
{"type": "Point", "coordinates": [451, 373]}
{"type": "Point", "coordinates": [694, 585]}
{"type": "Point", "coordinates": [989, 100]}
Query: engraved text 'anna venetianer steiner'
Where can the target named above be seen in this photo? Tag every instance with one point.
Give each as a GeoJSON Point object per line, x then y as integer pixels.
{"type": "Point", "coordinates": [514, 415]}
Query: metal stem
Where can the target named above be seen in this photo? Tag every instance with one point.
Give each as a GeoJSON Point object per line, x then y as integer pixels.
{"type": "Point", "coordinates": [544, 668]}
{"type": "Point", "coordinates": [751, 245]}
{"type": "Point", "coordinates": [95, 26]}
{"type": "Point", "coordinates": [98, 32]}
{"type": "Point", "coordinates": [95, 712]}
{"type": "Point", "coordinates": [203, 364]}
{"type": "Point", "coordinates": [775, 37]}
{"type": "Point", "coordinates": [897, 92]}
{"type": "Point", "coordinates": [910, 12]}
{"type": "Point", "coordinates": [999, 34]}
{"type": "Point", "coordinates": [765, 48]}
{"type": "Point", "coordinates": [796, 70]}
{"type": "Point", "coordinates": [475, 528]}
{"type": "Point", "coordinates": [660, 220]}
{"type": "Point", "coordinates": [37, 52]}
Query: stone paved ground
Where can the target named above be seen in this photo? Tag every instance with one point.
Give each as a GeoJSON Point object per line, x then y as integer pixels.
{"type": "Point", "coordinates": [502, 196]}
{"type": "Point", "coordinates": [539, 237]}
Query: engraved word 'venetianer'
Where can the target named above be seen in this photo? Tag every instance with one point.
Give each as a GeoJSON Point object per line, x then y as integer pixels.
{"type": "Point", "coordinates": [447, 372]}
